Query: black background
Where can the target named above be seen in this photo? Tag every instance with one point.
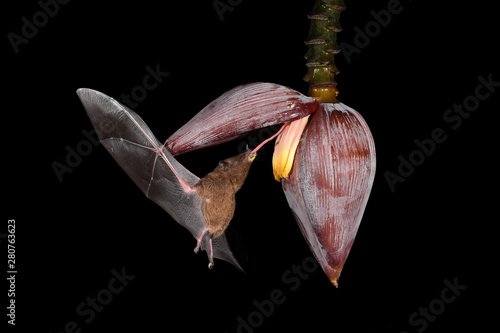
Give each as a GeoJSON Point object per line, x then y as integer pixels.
{"type": "Point", "coordinates": [437, 225]}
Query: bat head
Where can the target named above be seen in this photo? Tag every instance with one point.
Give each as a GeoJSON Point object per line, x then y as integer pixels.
{"type": "Point", "coordinates": [235, 169]}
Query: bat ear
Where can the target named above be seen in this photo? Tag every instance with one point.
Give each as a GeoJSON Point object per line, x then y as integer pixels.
{"type": "Point", "coordinates": [223, 165]}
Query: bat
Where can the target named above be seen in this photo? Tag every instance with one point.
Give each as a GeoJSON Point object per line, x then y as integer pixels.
{"type": "Point", "coordinates": [203, 206]}
{"type": "Point", "coordinates": [187, 199]}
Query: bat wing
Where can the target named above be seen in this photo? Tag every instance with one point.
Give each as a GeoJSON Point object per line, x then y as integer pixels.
{"type": "Point", "coordinates": [152, 168]}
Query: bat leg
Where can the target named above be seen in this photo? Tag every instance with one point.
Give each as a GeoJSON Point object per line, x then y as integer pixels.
{"type": "Point", "coordinates": [210, 248]}
{"type": "Point", "coordinates": [198, 244]}
{"type": "Point", "coordinates": [211, 263]}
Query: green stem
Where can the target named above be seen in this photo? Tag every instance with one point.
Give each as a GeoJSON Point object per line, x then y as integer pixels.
{"type": "Point", "coordinates": [322, 48]}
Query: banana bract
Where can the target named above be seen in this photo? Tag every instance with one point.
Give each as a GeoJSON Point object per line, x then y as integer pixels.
{"type": "Point", "coordinates": [238, 111]}
{"type": "Point", "coordinates": [324, 156]}
{"type": "Point", "coordinates": [330, 182]}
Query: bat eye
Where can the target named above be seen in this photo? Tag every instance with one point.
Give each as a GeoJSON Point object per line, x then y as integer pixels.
{"type": "Point", "coordinates": [223, 165]}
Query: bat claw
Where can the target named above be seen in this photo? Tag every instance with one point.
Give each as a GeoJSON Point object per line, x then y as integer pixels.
{"type": "Point", "coordinates": [211, 265]}
{"type": "Point", "coordinates": [198, 243]}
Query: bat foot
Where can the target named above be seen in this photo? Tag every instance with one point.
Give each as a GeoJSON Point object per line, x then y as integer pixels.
{"type": "Point", "coordinates": [198, 243]}
{"type": "Point", "coordinates": [211, 265]}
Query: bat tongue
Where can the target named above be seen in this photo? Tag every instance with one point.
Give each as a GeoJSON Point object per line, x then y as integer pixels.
{"type": "Point", "coordinates": [266, 141]}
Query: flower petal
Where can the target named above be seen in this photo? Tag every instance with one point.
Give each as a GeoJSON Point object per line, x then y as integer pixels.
{"type": "Point", "coordinates": [285, 147]}
{"type": "Point", "coordinates": [238, 111]}
{"type": "Point", "coordinates": [330, 183]}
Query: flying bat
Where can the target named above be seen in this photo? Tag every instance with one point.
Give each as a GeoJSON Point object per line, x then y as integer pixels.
{"type": "Point", "coordinates": [203, 206]}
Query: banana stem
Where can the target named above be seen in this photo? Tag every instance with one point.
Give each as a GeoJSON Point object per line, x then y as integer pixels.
{"type": "Point", "coordinates": [322, 49]}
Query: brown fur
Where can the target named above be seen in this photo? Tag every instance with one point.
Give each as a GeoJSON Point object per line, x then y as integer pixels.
{"type": "Point", "coordinates": [217, 190]}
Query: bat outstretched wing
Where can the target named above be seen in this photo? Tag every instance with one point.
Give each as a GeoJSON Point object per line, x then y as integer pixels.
{"type": "Point", "coordinates": [152, 168]}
